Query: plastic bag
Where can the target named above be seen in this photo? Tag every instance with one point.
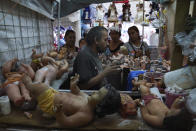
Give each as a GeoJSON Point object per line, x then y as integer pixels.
{"type": "Point", "coordinates": [188, 43]}
{"type": "Point", "coordinates": [157, 23]}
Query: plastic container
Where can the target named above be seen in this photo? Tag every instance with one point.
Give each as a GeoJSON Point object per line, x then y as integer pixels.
{"type": "Point", "coordinates": [5, 105]}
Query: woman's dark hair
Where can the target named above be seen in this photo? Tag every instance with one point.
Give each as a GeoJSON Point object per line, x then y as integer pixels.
{"type": "Point", "coordinates": [94, 34]}
{"type": "Point", "coordinates": [119, 32]}
{"type": "Point", "coordinates": [180, 122]}
{"type": "Point", "coordinates": [69, 32]}
{"type": "Point", "coordinates": [110, 104]}
{"type": "Point", "coordinates": [135, 29]}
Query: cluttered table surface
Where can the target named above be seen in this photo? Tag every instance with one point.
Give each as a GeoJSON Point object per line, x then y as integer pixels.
{"type": "Point", "coordinates": [17, 120]}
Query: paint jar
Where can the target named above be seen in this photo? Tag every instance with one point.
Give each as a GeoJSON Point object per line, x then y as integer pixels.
{"type": "Point", "coordinates": [5, 107]}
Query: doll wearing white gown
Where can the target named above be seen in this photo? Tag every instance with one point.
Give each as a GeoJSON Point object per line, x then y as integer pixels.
{"type": "Point", "coordinates": [100, 13]}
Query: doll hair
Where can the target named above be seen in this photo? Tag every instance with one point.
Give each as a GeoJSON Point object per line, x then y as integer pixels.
{"type": "Point", "coordinates": [179, 122]}
{"type": "Point", "coordinates": [110, 104]}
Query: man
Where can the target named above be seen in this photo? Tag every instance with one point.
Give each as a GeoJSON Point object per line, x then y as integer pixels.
{"type": "Point", "coordinates": [82, 43]}
{"type": "Point", "coordinates": [76, 108]}
{"type": "Point", "coordinates": [87, 63]}
{"type": "Point", "coordinates": [157, 114]}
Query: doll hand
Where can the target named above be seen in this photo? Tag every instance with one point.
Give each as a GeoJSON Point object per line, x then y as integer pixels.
{"type": "Point", "coordinates": [58, 108]}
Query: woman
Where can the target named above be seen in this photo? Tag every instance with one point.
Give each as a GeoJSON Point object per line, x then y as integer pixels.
{"type": "Point", "coordinates": [115, 43]}
{"type": "Point", "coordinates": [135, 46]}
{"type": "Point", "coordinates": [69, 47]}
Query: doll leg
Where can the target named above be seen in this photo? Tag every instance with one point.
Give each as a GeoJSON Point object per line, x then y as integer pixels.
{"type": "Point", "coordinates": [25, 93]}
{"type": "Point", "coordinates": [40, 74]}
{"type": "Point", "coordinates": [50, 75]}
{"type": "Point", "coordinates": [14, 94]}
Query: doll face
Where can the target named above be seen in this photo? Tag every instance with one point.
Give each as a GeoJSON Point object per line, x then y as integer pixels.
{"type": "Point", "coordinates": [130, 109]}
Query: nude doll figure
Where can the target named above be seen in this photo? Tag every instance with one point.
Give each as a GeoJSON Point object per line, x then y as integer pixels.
{"type": "Point", "coordinates": [52, 70]}
{"type": "Point", "coordinates": [14, 88]}
{"type": "Point", "coordinates": [71, 109]}
{"type": "Point", "coordinates": [157, 114]}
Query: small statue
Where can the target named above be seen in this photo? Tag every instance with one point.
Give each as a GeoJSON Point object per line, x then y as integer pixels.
{"type": "Point", "coordinates": [139, 15]}
{"type": "Point", "coordinates": [126, 11]}
{"type": "Point", "coordinates": [100, 13]}
{"type": "Point", "coordinates": [112, 13]}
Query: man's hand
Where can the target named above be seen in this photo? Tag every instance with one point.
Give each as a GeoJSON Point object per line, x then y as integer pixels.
{"type": "Point", "coordinates": [111, 69]}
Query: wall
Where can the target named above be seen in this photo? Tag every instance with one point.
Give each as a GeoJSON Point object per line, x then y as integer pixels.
{"type": "Point", "coordinates": [21, 30]}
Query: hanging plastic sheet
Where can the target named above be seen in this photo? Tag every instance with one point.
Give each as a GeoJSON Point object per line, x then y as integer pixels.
{"type": "Point", "coordinates": [43, 7]}
{"type": "Point", "coordinates": [46, 7]}
{"type": "Point", "coordinates": [188, 43]}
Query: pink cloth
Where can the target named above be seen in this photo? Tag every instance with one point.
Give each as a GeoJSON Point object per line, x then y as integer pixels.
{"type": "Point", "coordinates": [148, 98]}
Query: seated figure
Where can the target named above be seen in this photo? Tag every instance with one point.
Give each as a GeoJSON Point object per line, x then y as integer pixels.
{"type": "Point", "coordinates": [75, 108]}
{"type": "Point", "coordinates": [36, 60]}
{"type": "Point", "coordinates": [157, 114]}
{"type": "Point", "coordinates": [137, 82]}
{"type": "Point", "coordinates": [15, 89]}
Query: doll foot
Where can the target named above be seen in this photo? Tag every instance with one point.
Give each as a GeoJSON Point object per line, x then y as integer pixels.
{"type": "Point", "coordinates": [19, 102]}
